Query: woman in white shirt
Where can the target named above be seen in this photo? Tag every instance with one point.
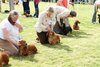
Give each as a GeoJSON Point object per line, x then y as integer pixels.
{"type": "Point", "coordinates": [45, 22]}
{"type": "Point", "coordinates": [9, 33]}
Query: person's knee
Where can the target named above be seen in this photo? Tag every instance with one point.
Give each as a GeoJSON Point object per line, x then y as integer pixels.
{"type": "Point", "coordinates": [44, 41]}
{"type": "Point", "coordinates": [16, 52]}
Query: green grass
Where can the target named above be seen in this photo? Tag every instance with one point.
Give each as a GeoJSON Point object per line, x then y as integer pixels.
{"type": "Point", "coordinates": [79, 49]}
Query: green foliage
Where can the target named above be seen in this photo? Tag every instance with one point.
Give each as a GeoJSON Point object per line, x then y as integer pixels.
{"type": "Point", "coordinates": [79, 49]}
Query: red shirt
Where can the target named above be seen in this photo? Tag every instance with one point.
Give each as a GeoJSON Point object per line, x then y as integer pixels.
{"type": "Point", "coordinates": [37, 1]}
{"type": "Point", "coordinates": [63, 3]}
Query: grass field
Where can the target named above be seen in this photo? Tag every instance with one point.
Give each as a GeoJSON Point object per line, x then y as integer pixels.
{"type": "Point", "coordinates": [79, 49]}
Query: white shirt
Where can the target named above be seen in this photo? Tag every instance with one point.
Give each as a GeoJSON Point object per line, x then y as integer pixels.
{"type": "Point", "coordinates": [58, 9]}
{"type": "Point", "coordinates": [97, 2]}
{"type": "Point", "coordinates": [44, 21]}
{"type": "Point", "coordinates": [62, 12]}
{"type": "Point", "coordinates": [14, 32]}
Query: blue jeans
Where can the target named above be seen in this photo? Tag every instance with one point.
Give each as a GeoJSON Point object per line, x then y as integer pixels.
{"type": "Point", "coordinates": [26, 7]}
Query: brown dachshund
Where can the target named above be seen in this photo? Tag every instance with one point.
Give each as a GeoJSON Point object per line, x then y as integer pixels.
{"type": "Point", "coordinates": [4, 58]}
{"type": "Point", "coordinates": [75, 26]}
{"type": "Point", "coordinates": [25, 49]}
{"type": "Point", "coordinates": [53, 38]}
{"type": "Point", "coordinates": [31, 49]}
{"type": "Point", "coordinates": [22, 48]}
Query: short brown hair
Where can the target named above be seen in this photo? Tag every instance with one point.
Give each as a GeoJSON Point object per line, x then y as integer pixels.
{"type": "Point", "coordinates": [73, 13]}
{"type": "Point", "coordinates": [50, 9]}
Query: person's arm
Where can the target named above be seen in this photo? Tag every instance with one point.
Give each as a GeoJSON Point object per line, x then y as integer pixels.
{"type": "Point", "coordinates": [7, 36]}
{"type": "Point", "coordinates": [19, 27]}
{"type": "Point", "coordinates": [60, 16]}
{"type": "Point", "coordinates": [41, 20]}
{"type": "Point", "coordinates": [63, 15]}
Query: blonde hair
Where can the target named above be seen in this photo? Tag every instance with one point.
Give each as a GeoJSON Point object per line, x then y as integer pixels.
{"type": "Point", "coordinates": [50, 9]}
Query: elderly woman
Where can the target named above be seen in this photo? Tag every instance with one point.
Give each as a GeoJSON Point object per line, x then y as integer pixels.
{"type": "Point", "coordinates": [45, 22]}
{"type": "Point", "coordinates": [9, 33]}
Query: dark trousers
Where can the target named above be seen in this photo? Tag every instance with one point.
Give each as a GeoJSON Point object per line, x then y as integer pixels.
{"type": "Point", "coordinates": [63, 30]}
{"type": "Point", "coordinates": [26, 7]}
{"type": "Point", "coordinates": [43, 37]}
{"type": "Point", "coordinates": [36, 10]}
{"type": "Point", "coordinates": [72, 1]}
{"type": "Point", "coordinates": [94, 14]}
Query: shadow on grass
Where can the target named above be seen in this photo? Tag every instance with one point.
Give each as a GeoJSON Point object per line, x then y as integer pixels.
{"type": "Point", "coordinates": [9, 65]}
{"type": "Point", "coordinates": [77, 34]}
{"type": "Point", "coordinates": [23, 58]}
{"type": "Point", "coordinates": [59, 46]}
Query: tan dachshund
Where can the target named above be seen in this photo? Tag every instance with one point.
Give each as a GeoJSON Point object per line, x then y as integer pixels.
{"type": "Point", "coordinates": [53, 38]}
{"type": "Point", "coordinates": [4, 58]}
{"type": "Point", "coordinates": [31, 49]}
{"type": "Point", "coordinates": [75, 26]}
{"type": "Point", "coordinates": [25, 49]}
{"type": "Point", "coordinates": [22, 48]}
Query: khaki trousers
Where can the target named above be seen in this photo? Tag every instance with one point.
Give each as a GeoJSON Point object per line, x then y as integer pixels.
{"type": "Point", "coordinates": [9, 47]}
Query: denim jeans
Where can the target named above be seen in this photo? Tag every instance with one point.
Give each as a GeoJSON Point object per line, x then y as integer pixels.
{"type": "Point", "coordinates": [26, 7]}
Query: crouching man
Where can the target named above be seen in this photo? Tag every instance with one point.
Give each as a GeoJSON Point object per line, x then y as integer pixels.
{"type": "Point", "coordinates": [62, 14]}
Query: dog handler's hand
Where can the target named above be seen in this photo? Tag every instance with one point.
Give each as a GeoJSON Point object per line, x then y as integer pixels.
{"type": "Point", "coordinates": [49, 29]}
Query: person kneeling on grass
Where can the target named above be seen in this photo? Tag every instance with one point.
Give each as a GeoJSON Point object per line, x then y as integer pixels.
{"type": "Point", "coordinates": [62, 14]}
{"type": "Point", "coordinates": [46, 21]}
{"type": "Point", "coordinates": [9, 33]}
